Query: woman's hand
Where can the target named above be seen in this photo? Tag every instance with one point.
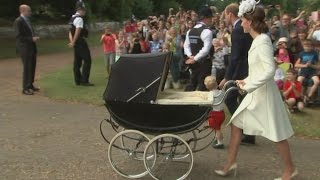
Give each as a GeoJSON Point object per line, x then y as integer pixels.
{"type": "Point", "coordinates": [240, 83]}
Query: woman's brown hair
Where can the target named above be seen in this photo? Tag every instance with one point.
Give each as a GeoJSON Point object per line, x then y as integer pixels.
{"type": "Point", "coordinates": [257, 17]}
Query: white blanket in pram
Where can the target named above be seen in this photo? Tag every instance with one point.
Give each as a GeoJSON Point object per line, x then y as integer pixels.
{"type": "Point", "coordinates": [192, 98]}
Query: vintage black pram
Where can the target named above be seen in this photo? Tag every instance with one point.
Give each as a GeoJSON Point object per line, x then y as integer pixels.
{"type": "Point", "coordinates": [157, 131]}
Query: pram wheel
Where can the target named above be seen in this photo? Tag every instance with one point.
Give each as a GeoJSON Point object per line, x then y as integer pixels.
{"type": "Point", "coordinates": [125, 139]}
{"type": "Point", "coordinates": [204, 137]}
{"type": "Point", "coordinates": [125, 153]}
{"type": "Point", "coordinates": [173, 160]}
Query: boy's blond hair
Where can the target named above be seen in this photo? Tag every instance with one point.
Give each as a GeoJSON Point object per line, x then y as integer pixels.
{"type": "Point", "coordinates": [210, 82]}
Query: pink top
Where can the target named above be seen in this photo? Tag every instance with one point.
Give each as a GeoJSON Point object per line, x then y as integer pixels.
{"type": "Point", "coordinates": [109, 44]}
{"type": "Point", "coordinates": [284, 55]}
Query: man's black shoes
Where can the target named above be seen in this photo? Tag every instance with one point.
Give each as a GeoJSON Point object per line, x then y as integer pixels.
{"type": "Point", "coordinates": [27, 92]}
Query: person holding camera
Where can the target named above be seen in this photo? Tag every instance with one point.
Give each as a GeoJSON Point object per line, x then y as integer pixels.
{"type": "Point", "coordinates": [77, 34]}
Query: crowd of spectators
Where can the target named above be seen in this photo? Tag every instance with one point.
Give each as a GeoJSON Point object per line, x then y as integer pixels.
{"type": "Point", "coordinates": [296, 41]}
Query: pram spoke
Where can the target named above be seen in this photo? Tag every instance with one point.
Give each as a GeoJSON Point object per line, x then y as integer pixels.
{"type": "Point", "coordinates": [173, 162]}
{"type": "Point", "coordinates": [125, 153]}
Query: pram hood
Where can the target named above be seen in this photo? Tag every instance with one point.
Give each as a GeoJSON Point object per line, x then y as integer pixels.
{"type": "Point", "coordinates": [137, 78]}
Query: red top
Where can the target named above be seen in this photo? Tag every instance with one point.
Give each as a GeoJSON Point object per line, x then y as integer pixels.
{"type": "Point", "coordinates": [291, 94]}
{"type": "Point", "coordinates": [130, 28]}
{"type": "Point", "coordinates": [145, 46]}
{"type": "Point", "coordinates": [109, 44]}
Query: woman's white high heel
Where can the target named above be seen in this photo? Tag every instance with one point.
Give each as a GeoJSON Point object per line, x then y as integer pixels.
{"type": "Point", "coordinates": [231, 168]}
{"type": "Point", "coordinates": [295, 173]}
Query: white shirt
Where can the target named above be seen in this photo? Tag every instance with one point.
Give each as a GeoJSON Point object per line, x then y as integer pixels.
{"type": "Point", "coordinates": [27, 20]}
{"type": "Point", "coordinates": [206, 37]}
{"type": "Point", "coordinates": [235, 22]}
{"type": "Point", "coordinates": [316, 35]}
{"type": "Point", "coordinates": [214, 93]}
{"type": "Point", "coordinates": [78, 21]}
{"type": "Point", "coordinates": [279, 74]}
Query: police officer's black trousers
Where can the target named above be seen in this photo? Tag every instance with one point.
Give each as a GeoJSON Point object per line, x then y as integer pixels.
{"type": "Point", "coordinates": [200, 70]}
{"type": "Point", "coordinates": [81, 54]}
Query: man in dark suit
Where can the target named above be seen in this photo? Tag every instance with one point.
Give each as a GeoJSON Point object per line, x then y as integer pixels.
{"type": "Point", "coordinates": [238, 63]}
{"type": "Point", "coordinates": [26, 48]}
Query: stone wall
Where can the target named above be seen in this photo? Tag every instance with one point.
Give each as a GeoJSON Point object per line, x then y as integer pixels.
{"type": "Point", "coordinates": [58, 31]}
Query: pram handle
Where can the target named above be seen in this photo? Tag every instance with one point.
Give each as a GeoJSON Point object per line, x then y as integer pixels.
{"type": "Point", "coordinates": [230, 82]}
{"type": "Point", "coordinates": [226, 92]}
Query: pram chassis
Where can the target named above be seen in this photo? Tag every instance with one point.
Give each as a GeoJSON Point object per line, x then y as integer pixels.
{"type": "Point", "coordinates": [169, 144]}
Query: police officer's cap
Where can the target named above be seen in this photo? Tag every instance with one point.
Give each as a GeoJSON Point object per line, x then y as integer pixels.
{"type": "Point", "coordinates": [205, 12]}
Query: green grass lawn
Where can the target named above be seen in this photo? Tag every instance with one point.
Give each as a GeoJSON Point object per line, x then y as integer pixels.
{"type": "Point", "coordinates": [307, 123]}
{"type": "Point", "coordinates": [60, 86]}
{"type": "Point", "coordinates": [45, 46]}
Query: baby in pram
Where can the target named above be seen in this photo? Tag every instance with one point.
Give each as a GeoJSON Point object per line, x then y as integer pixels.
{"type": "Point", "coordinates": [216, 115]}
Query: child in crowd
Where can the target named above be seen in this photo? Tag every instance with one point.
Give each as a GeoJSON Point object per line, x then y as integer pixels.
{"type": "Point", "coordinates": [295, 45]}
{"type": "Point", "coordinates": [136, 46]}
{"type": "Point", "coordinates": [282, 52]}
{"type": "Point", "coordinates": [174, 40]}
{"type": "Point", "coordinates": [307, 63]}
{"type": "Point", "coordinates": [165, 47]}
{"type": "Point", "coordinates": [279, 77]}
{"type": "Point", "coordinates": [216, 115]}
{"type": "Point", "coordinates": [122, 45]}
{"type": "Point", "coordinates": [292, 91]}
{"type": "Point", "coordinates": [218, 65]}
{"type": "Point", "coordinates": [155, 44]}
{"type": "Point", "coordinates": [109, 48]}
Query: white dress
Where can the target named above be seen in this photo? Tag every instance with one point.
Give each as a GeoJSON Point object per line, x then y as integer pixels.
{"type": "Point", "coordinates": [262, 111]}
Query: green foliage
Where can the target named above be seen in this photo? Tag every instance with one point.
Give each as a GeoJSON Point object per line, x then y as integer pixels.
{"type": "Point", "coordinates": [192, 4]}
{"type": "Point", "coordinates": [10, 8]}
{"type": "Point", "coordinates": [162, 7]}
{"type": "Point", "coordinates": [119, 10]}
{"type": "Point", "coordinates": [311, 5]}
{"type": "Point", "coordinates": [142, 8]}
{"type": "Point", "coordinates": [220, 5]}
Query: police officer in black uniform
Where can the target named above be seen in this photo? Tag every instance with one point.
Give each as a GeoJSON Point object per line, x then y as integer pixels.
{"type": "Point", "coordinates": [198, 48]}
{"type": "Point", "coordinates": [82, 57]}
